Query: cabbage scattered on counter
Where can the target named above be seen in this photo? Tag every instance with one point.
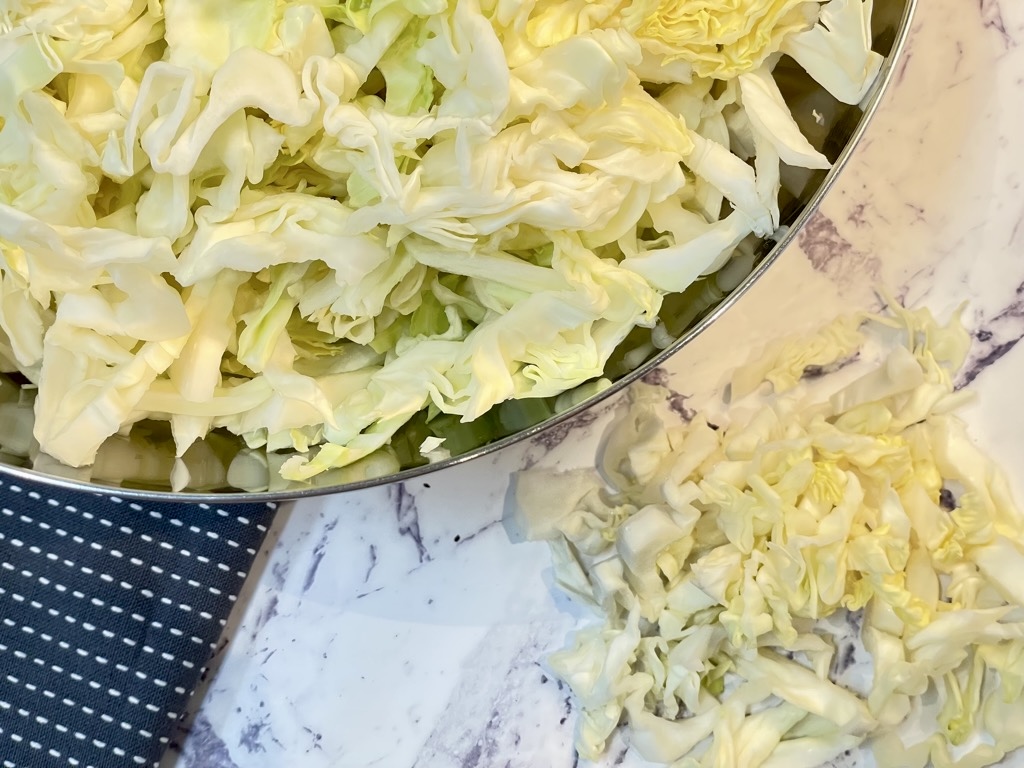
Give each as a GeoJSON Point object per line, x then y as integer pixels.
{"type": "Point", "coordinates": [725, 561]}
{"type": "Point", "coordinates": [307, 222]}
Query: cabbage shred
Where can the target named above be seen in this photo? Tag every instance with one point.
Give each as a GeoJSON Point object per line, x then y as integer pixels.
{"type": "Point", "coordinates": [722, 561]}
{"type": "Point", "coordinates": [308, 222]}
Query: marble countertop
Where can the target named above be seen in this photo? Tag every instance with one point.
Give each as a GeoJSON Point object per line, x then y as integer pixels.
{"type": "Point", "coordinates": [401, 627]}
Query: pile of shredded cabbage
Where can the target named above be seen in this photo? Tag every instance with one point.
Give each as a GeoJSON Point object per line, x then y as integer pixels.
{"type": "Point", "coordinates": [725, 560]}
{"type": "Point", "coordinates": [306, 222]}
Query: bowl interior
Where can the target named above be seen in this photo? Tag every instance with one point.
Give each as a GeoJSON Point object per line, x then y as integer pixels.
{"type": "Point", "coordinates": [222, 468]}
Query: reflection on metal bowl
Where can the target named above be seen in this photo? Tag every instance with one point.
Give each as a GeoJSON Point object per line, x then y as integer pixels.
{"type": "Point", "coordinates": [221, 467]}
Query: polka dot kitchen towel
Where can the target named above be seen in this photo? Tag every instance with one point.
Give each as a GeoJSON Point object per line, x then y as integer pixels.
{"type": "Point", "coordinates": [109, 611]}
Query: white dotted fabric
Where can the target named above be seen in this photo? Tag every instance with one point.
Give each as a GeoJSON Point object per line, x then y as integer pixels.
{"type": "Point", "coordinates": [108, 612]}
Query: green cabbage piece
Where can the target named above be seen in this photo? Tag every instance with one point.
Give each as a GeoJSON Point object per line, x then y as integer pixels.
{"type": "Point", "coordinates": [719, 561]}
{"type": "Point", "coordinates": [836, 51]}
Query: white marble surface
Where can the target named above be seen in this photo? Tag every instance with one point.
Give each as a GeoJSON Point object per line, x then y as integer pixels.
{"type": "Point", "coordinates": [400, 627]}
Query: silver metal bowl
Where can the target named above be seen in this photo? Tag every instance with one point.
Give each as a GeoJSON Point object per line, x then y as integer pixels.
{"type": "Point", "coordinates": [140, 465]}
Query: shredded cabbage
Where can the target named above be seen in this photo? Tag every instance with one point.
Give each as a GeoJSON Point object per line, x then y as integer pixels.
{"type": "Point", "coordinates": [725, 561]}
{"type": "Point", "coordinates": [308, 223]}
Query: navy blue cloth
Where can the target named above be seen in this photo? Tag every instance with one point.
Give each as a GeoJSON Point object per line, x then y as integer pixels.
{"type": "Point", "coordinates": [109, 610]}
